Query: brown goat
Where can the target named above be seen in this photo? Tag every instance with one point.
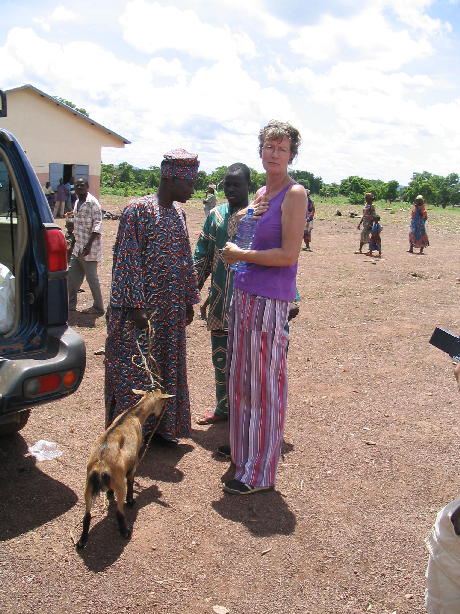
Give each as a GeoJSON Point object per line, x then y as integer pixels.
{"type": "Point", "coordinates": [113, 462]}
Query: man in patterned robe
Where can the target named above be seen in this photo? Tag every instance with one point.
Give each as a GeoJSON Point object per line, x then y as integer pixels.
{"type": "Point", "coordinates": [153, 291]}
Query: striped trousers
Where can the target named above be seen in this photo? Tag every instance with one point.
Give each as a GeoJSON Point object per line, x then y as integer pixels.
{"type": "Point", "coordinates": [257, 385]}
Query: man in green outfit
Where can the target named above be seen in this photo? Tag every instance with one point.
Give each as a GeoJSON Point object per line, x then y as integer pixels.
{"type": "Point", "coordinates": [220, 226]}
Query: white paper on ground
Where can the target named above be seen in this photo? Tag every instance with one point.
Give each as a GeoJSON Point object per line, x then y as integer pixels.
{"type": "Point", "coordinates": [45, 450]}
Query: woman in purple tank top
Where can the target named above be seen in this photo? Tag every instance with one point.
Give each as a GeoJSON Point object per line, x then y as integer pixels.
{"type": "Point", "coordinates": [257, 340]}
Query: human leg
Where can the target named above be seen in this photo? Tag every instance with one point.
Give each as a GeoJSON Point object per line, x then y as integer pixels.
{"type": "Point", "coordinates": [168, 349]}
{"type": "Point", "coordinates": [59, 208]}
{"type": "Point", "coordinates": [219, 340]}
{"type": "Point", "coordinates": [75, 280]}
{"type": "Point", "coordinates": [92, 278]}
{"type": "Point", "coordinates": [257, 388]}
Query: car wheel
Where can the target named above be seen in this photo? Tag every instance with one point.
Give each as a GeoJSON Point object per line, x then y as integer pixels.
{"type": "Point", "coordinates": [10, 428]}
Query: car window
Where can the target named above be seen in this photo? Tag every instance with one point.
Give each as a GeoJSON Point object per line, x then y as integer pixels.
{"type": "Point", "coordinates": [7, 196]}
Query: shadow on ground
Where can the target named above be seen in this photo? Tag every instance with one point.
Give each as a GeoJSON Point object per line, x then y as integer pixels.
{"type": "Point", "coordinates": [29, 497]}
{"type": "Point", "coordinates": [263, 514]}
{"type": "Point", "coordinates": [82, 320]}
{"type": "Point", "coordinates": [105, 544]}
{"type": "Point", "coordinates": [216, 435]}
{"type": "Point", "coordinates": [159, 463]}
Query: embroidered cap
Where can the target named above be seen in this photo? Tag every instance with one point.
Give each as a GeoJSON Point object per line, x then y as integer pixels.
{"type": "Point", "coordinates": [180, 163]}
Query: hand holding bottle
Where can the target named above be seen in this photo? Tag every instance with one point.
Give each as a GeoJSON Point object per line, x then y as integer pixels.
{"type": "Point", "coordinates": [231, 253]}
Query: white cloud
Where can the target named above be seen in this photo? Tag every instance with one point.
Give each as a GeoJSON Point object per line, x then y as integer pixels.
{"type": "Point", "coordinates": [62, 14]}
{"type": "Point", "coordinates": [151, 27]}
{"type": "Point", "coordinates": [348, 83]}
{"type": "Point", "coordinates": [367, 34]}
{"type": "Point", "coordinates": [412, 13]}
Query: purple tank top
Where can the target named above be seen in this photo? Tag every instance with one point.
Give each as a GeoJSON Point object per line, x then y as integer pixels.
{"type": "Point", "coordinates": [269, 281]}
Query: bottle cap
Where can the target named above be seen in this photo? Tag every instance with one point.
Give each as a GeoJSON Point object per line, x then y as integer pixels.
{"type": "Point", "coordinates": [250, 210]}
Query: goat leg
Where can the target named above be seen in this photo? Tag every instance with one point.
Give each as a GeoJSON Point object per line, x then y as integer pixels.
{"type": "Point", "coordinates": [84, 536]}
{"type": "Point", "coordinates": [120, 494]}
{"type": "Point", "coordinates": [130, 489]}
{"type": "Point", "coordinates": [87, 517]}
{"type": "Point", "coordinates": [123, 527]}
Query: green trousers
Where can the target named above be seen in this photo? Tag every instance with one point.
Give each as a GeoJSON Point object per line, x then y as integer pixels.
{"type": "Point", "coordinates": [219, 360]}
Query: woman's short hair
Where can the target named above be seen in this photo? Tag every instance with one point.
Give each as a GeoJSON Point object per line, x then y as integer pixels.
{"type": "Point", "coordinates": [275, 131]}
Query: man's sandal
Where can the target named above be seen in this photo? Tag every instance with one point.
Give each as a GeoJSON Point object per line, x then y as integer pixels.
{"type": "Point", "coordinates": [211, 418]}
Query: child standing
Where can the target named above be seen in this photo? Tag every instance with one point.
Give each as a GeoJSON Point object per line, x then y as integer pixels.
{"type": "Point", "coordinates": [375, 240]}
{"type": "Point", "coordinates": [308, 223]}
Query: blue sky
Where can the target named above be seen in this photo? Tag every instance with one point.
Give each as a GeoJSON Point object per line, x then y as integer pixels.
{"type": "Point", "coordinates": [373, 87]}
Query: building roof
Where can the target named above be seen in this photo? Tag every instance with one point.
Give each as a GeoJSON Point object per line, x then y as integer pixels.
{"type": "Point", "coordinates": [70, 109]}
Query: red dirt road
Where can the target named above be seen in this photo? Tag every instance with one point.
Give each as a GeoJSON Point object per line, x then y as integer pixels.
{"type": "Point", "coordinates": [371, 454]}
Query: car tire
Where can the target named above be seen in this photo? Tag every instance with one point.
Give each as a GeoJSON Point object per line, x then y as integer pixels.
{"type": "Point", "coordinates": [11, 428]}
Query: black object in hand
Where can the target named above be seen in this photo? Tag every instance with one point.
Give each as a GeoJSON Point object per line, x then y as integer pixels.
{"type": "Point", "coordinates": [447, 342]}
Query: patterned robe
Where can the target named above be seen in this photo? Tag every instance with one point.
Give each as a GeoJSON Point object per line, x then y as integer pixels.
{"type": "Point", "coordinates": [417, 232]}
{"type": "Point", "coordinates": [152, 270]}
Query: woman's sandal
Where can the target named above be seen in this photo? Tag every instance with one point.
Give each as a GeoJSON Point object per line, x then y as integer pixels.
{"type": "Point", "coordinates": [235, 487]}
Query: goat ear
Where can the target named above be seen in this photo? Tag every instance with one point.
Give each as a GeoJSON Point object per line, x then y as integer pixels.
{"type": "Point", "coordinates": [166, 396]}
{"type": "Point", "coordinates": [139, 392]}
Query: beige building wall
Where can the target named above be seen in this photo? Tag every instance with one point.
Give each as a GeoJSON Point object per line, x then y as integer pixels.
{"type": "Point", "coordinates": [50, 133]}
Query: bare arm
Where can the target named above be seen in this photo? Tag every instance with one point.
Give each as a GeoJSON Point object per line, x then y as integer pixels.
{"type": "Point", "coordinates": [292, 222]}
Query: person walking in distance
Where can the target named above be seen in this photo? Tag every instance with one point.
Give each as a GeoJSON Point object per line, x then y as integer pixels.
{"type": "Point", "coordinates": [61, 197]}
{"type": "Point", "coordinates": [366, 221]}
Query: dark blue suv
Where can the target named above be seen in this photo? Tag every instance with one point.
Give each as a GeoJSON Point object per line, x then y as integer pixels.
{"type": "Point", "coordinates": [41, 358]}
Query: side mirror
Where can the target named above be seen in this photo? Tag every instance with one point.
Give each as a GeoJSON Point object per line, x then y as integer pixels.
{"type": "Point", "coordinates": [2, 104]}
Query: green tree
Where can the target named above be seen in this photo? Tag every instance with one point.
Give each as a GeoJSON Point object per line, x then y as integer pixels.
{"type": "Point", "coordinates": [390, 190]}
{"type": "Point", "coordinates": [308, 180]}
{"type": "Point", "coordinates": [202, 181]}
{"type": "Point", "coordinates": [329, 190]}
{"type": "Point", "coordinates": [354, 186]}
{"type": "Point", "coordinates": [257, 180]}
{"type": "Point", "coordinates": [425, 184]}
{"type": "Point", "coordinates": [218, 175]}
{"type": "Point", "coordinates": [449, 190]}
{"type": "Point", "coordinates": [109, 175]}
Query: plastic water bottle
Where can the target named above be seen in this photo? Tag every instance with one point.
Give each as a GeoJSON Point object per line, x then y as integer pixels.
{"type": "Point", "coordinates": [244, 236]}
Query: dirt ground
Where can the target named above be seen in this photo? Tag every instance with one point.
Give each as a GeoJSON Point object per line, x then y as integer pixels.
{"type": "Point", "coordinates": [370, 456]}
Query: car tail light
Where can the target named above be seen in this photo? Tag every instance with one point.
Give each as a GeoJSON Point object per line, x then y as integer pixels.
{"type": "Point", "coordinates": [69, 378]}
{"type": "Point", "coordinates": [56, 250]}
{"type": "Point", "coordinates": [53, 382]}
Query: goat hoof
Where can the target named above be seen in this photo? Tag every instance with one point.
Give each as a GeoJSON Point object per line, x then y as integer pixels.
{"type": "Point", "coordinates": [110, 494]}
{"type": "Point", "coordinates": [126, 533]}
{"type": "Point", "coordinates": [81, 543]}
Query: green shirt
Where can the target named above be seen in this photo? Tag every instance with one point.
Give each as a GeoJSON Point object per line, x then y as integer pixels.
{"type": "Point", "coordinates": [219, 227]}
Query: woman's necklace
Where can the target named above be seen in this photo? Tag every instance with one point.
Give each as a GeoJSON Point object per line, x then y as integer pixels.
{"type": "Point", "coordinates": [273, 191]}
